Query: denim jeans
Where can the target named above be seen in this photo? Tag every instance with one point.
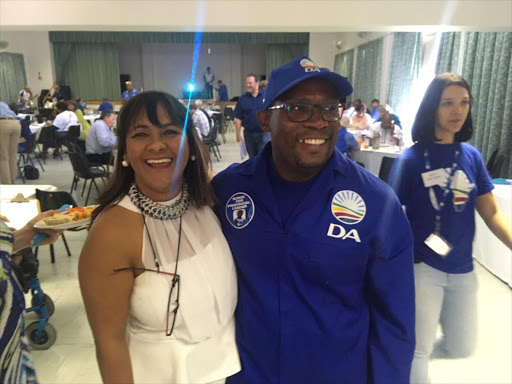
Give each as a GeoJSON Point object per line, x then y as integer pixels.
{"type": "Point", "coordinates": [255, 141]}
{"type": "Point", "coordinates": [449, 299]}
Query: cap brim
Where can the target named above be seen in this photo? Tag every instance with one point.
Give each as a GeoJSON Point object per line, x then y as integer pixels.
{"type": "Point", "coordinates": [341, 84]}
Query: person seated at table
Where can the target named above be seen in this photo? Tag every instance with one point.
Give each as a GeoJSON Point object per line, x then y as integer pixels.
{"type": "Point", "coordinates": [73, 107]}
{"type": "Point", "coordinates": [105, 105]}
{"type": "Point", "coordinates": [351, 110]}
{"type": "Point", "coordinates": [385, 110]}
{"type": "Point", "coordinates": [346, 142]}
{"type": "Point", "coordinates": [201, 120]}
{"type": "Point", "coordinates": [61, 124]}
{"type": "Point", "coordinates": [80, 104]}
{"type": "Point", "coordinates": [375, 109]}
{"type": "Point", "coordinates": [25, 135]}
{"type": "Point", "coordinates": [16, 362]}
{"type": "Point", "coordinates": [386, 131]}
{"type": "Point", "coordinates": [199, 105]}
{"type": "Point", "coordinates": [361, 120]}
{"type": "Point", "coordinates": [100, 140]}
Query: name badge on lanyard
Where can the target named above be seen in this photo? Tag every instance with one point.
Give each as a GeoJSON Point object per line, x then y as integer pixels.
{"type": "Point", "coordinates": [431, 178]}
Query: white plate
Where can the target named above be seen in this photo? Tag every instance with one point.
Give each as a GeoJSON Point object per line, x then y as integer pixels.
{"type": "Point", "coordinates": [72, 224]}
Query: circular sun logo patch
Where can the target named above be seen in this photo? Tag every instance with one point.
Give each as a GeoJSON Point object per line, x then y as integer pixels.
{"type": "Point", "coordinates": [348, 207]}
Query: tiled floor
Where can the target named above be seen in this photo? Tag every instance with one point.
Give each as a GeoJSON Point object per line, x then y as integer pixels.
{"type": "Point", "coordinates": [72, 358]}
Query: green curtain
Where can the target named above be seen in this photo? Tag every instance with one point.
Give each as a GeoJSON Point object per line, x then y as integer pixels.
{"type": "Point", "coordinates": [179, 37]}
{"type": "Point", "coordinates": [279, 54]}
{"type": "Point", "coordinates": [487, 67]}
{"type": "Point", "coordinates": [92, 71]}
{"type": "Point", "coordinates": [12, 76]}
{"type": "Point", "coordinates": [61, 54]}
{"type": "Point", "coordinates": [404, 69]}
{"type": "Point", "coordinates": [344, 65]}
{"type": "Point", "coordinates": [448, 54]}
{"type": "Point", "coordinates": [368, 71]}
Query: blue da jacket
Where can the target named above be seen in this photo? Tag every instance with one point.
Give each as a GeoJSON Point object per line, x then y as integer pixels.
{"type": "Point", "coordinates": [327, 297]}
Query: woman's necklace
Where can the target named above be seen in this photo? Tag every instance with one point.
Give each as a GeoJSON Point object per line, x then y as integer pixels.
{"type": "Point", "coordinates": [160, 211]}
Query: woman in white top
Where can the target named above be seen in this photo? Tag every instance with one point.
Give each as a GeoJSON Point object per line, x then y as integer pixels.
{"type": "Point", "coordinates": [361, 120]}
{"type": "Point", "coordinates": [156, 273]}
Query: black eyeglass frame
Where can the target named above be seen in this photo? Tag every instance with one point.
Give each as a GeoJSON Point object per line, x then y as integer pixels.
{"type": "Point", "coordinates": [311, 107]}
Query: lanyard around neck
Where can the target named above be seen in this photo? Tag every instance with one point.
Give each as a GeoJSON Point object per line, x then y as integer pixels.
{"type": "Point", "coordinates": [439, 206]}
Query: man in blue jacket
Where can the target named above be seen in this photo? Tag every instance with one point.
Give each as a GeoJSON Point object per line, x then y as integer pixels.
{"type": "Point", "coordinates": [322, 247]}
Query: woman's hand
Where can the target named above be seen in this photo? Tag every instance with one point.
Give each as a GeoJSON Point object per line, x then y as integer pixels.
{"type": "Point", "coordinates": [25, 235]}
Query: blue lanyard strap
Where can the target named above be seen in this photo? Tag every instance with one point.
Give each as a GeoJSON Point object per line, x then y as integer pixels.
{"type": "Point", "coordinates": [446, 187]}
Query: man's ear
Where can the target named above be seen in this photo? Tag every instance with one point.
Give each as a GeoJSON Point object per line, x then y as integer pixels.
{"type": "Point", "coordinates": [264, 120]}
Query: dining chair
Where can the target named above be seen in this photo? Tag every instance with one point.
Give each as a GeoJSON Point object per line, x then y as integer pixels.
{"type": "Point", "coordinates": [385, 167]}
{"type": "Point", "coordinates": [83, 170]}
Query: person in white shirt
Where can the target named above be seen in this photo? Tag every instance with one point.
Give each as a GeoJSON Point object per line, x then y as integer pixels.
{"type": "Point", "coordinates": [200, 118]}
{"type": "Point", "coordinates": [208, 78]}
{"type": "Point", "coordinates": [100, 140]}
{"type": "Point", "coordinates": [361, 120]}
{"type": "Point", "coordinates": [61, 124]}
{"type": "Point", "coordinates": [386, 131]}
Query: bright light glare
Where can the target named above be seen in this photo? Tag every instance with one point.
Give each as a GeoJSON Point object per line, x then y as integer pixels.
{"type": "Point", "coordinates": [191, 87]}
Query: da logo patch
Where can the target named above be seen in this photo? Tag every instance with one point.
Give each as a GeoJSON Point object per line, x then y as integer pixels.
{"type": "Point", "coordinates": [309, 66]}
{"type": "Point", "coordinates": [240, 210]}
{"type": "Point", "coordinates": [348, 207]}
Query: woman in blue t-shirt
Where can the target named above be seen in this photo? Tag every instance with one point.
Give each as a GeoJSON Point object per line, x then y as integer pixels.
{"type": "Point", "coordinates": [441, 180]}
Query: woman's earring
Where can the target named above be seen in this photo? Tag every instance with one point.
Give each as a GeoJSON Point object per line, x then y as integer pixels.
{"type": "Point", "coordinates": [193, 158]}
{"type": "Point", "coordinates": [124, 163]}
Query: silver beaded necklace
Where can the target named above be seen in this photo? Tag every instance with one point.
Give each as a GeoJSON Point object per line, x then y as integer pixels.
{"type": "Point", "coordinates": [160, 211]}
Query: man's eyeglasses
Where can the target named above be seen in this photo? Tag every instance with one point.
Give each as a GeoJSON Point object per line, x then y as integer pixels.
{"type": "Point", "coordinates": [301, 112]}
{"type": "Point", "coordinates": [175, 288]}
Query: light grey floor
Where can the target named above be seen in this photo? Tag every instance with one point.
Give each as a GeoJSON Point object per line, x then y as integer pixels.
{"type": "Point", "coordinates": [72, 358]}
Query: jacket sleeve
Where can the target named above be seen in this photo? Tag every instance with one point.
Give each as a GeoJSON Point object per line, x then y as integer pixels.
{"type": "Point", "coordinates": [105, 137]}
{"type": "Point", "coordinates": [390, 295]}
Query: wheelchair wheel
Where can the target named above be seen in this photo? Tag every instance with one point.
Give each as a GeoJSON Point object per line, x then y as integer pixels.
{"type": "Point", "coordinates": [49, 305]}
{"type": "Point", "coordinates": [48, 336]}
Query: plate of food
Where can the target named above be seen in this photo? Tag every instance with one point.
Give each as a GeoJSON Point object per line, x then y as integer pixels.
{"type": "Point", "coordinates": [71, 218]}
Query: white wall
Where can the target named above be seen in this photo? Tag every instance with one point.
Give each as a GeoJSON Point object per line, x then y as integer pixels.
{"type": "Point", "coordinates": [168, 67]}
{"type": "Point", "coordinates": [35, 47]}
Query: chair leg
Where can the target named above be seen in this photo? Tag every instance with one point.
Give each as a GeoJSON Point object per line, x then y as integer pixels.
{"type": "Point", "coordinates": [52, 254]}
{"type": "Point", "coordinates": [72, 184]}
{"type": "Point", "coordinates": [20, 171]}
{"type": "Point", "coordinates": [39, 161]}
{"type": "Point", "coordinates": [66, 244]}
{"type": "Point", "coordinates": [83, 189]}
{"type": "Point", "coordinates": [96, 185]}
{"type": "Point", "coordinates": [89, 191]}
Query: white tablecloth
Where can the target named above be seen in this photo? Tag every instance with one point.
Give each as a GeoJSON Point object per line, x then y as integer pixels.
{"type": "Point", "coordinates": [23, 115]}
{"type": "Point", "coordinates": [487, 249]}
{"type": "Point", "coordinates": [9, 191]}
{"type": "Point", "coordinates": [36, 127]}
{"type": "Point", "coordinates": [91, 118]}
{"type": "Point", "coordinates": [373, 158]}
{"type": "Point", "coordinates": [20, 213]}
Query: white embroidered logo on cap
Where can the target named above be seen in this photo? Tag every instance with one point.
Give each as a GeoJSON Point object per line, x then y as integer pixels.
{"type": "Point", "coordinates": [309, 66]}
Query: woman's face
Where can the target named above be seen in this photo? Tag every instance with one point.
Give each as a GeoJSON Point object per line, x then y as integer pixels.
{"type": "Point", "coordinates": [154, 154]}
{"type": "Point", "coordinates": [361, 112]}
{"type": "Point", "coordinates": [452, 111]}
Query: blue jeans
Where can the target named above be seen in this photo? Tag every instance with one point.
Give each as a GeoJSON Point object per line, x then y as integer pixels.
{"type": "Point", "coordinates": [449, 299]}
{"type": "Point", "coordinates": [255, 141]}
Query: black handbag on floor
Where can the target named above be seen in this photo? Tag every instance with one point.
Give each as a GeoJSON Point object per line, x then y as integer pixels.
{"type": "Point", "coordinates": [30, 172]}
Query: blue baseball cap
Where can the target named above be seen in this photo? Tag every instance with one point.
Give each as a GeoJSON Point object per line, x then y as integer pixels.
{"type": "Point", "coordinates": [296, 71]}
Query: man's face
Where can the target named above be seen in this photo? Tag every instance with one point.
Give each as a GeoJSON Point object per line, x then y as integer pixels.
{"type": "Point", "coordinates": [129, 86]}
{"type": "Point", "coordinates": [110, 120]}
{"type": "Point", "coordinates": [300, 150]}
{"type": "Point", "coordinates": [375, 104]}
{"type": "Point", "coordinates": [251, 84]}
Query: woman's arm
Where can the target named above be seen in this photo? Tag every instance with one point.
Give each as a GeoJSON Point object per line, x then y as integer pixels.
{"type": "Point", "coordinates": [114, 241]}
{"type": "Point", "coordinates": [494, 218]}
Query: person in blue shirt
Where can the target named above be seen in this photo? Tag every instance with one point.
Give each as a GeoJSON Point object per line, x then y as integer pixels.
{"type": "Point", "coordinates": [25, 135]}
{"type": "Point", "coordinates": [130, 92]}
{"type": "Point", "coordinates": [322, 247]}
{"type": "Point", "coordinates": [346, 142]}
{"type": "Point", "coordinates": [375, 109]}
{"type": "Point", "coordinates": [222, 97]}
{"type": "Point", "coordinates": [100, 140]}
{"type": "Point", "coordinates": [105, 105]}
{"type": "Point", "coordinates": [245, 112]}
{"type": "Point", "coordinates": [80, 104]}
{"type": "Point", "coordinates": [441, 180]}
